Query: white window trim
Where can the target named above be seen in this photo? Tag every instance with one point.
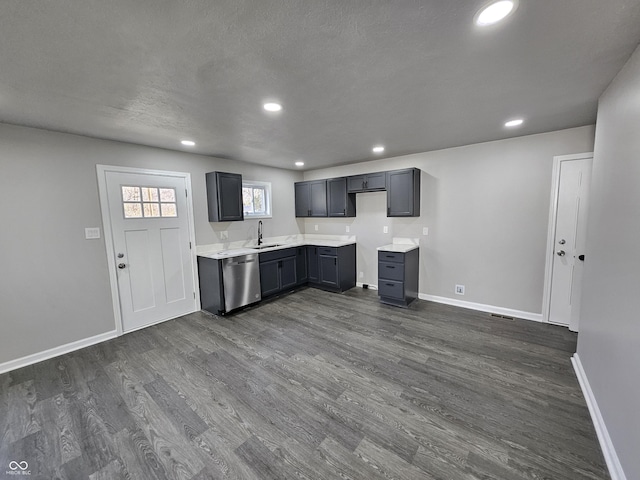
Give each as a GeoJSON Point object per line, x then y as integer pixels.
{"type": "Point", "coordinates": [268, 200]}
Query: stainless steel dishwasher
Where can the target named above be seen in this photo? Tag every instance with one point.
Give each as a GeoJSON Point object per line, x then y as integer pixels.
{"type": "Point", "coordinates": [241, 280]}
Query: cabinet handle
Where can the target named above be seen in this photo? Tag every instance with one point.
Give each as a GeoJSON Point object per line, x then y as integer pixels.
{"type": "Point", "coordinates": [390, 266]}
{"type": "Point", "coordinates": [390, 285]}
{"type": "Point", "coordinates": [335, 261]}
{"type": "Point", "coordinates": [344, 211]}
{"type": "Point", "coordinates": [366, 184]}
{"type": "Point", "coordinates": [388, 211]}
{"type": "Point", "coordinates": [390, 256]}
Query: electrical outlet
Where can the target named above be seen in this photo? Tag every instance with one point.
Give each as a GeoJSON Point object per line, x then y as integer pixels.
{"type": "Point", "coordinates": [459, 289]}
{"type": "Point", "coordinates": [385, 229]}
{"type": "Point", "coordinates": [425, 231]}
{"type": "Point", "coordinates": [348, 228]}
{"type": "Point", "coordinates": [92, 233]}
{"type": "Point", "coordinates": [224, 235]}
{"type": "Point", "coordinates": [315, 227]}
{"type": "Point", "coordinates": [361, 275]}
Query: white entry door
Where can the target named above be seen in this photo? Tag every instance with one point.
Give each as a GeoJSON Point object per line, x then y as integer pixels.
{"type": "Point", "coordinates": [150, 226]}
{"type": "Point", "coordinates": [568, 252]}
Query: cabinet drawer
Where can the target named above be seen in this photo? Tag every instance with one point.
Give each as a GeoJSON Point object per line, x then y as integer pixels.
{"type": "Point", "coordinates": [327, 251]}
{"type": "Point", "coordinates": [391, 289]}
{"type": "Point", "coordinates": [390, 271]}
{"type": "Point", "coordinates": [277, 254]}
{"type": "Point", "coordinates": [390, 257]}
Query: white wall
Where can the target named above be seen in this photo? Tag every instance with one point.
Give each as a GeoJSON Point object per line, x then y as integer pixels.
{"type": "Point", "coordinates": [486, 207]}
{"type": "Point", "coordinates": [54, 285]}
{"type": "Point", "coordinates": [609, 339]}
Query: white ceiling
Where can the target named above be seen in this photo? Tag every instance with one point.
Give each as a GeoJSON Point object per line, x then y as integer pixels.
{"type": "Point", "coordinates": [412, 75]}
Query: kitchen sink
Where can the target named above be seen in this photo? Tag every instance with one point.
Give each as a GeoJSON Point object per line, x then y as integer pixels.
{"type": "Point", "coordinates": [271, 245]}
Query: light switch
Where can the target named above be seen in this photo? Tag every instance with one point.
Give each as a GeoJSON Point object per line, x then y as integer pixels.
{"type": "Point", "coordinates": [425, 231]}
{"type": "Point", "coordinates": [316, 227]}
{"type": "Point", "coordinates": [348, 228]}
{"type": "Point", "coordinates": [92, 233]}
{"type": "Point", "coordinates": [385, 229]}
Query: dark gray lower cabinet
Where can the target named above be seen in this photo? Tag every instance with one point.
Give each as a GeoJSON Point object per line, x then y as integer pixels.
{"type": "Point", "coordinates": [332, 268]}
{"type": "Point", "coordinates": [398, 277]}
{"type": "Point", "coordinates": [328, 266]}
{"type": "Point", "coordinates": [301, 265]}
{"type": "Point", "coordinates": [312, 265]}
{"type": "Point", "coordinates": [278, 271]}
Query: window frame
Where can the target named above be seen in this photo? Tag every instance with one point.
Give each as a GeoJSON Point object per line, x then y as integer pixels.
{"type": "Point", "coordinates": [143, 202]}
{"type": "Point", "coordinates": [266, 186]}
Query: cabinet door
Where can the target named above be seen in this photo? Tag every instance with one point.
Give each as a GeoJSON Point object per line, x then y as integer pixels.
{"type": "Point", "coordinates": [230, 196]}
{"type": "Point", "coordinates": [301, 265]}
{"type": "Point", "coordinates": [328, 270]}
{"type": "Point", "coordinates": [403, 193]}
{"type": "Point", "coordinates": [312, 264]}
{"type": "Point", "coordinates": [269, 278]}
{"type": "Point", "coordinates": [376, 181]}
{"type": "Point", "coordinates": [303, 207]}
{"type": "Point", "coordinates": [341, 203]}
{"type": "Point", "coordinates": [224, 196]}
{"type": "Point", "coordinates": [355, 183]}
{"type": "Point", "coordinates": [318, 198]}
{"type": "Point", "coordinates": [287, 272]}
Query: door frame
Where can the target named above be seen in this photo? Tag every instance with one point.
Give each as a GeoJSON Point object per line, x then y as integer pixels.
{"type": "Point", "coordinates": [101, 171]}
{"type": "Point", "coordinates": [551, 230]}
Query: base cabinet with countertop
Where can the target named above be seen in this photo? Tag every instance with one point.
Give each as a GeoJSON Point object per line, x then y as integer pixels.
{"type": "Point", "coordinates": [278, 269]}
{"type": "Point", "coordinates": [332, 268]}
{"type": "Point", "coordinates": [398, 271]}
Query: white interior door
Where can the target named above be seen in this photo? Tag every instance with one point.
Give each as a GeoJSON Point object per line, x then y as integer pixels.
{"type": "Point", "coordinates": [569, 241]}
{"type": "Point", "coordinates": [150, 230]}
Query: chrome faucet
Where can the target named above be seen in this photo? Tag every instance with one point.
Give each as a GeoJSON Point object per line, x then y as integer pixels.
{"type": "Point", "coordinates": [259, 232]}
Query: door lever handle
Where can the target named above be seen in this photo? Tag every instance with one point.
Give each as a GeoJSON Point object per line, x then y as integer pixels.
{"type": "Point", "coordinates": [121, 266]}
{"type": "Point", "coordinates": [581, 257]}
{"type": "Point", "coordinates": [561, 253]}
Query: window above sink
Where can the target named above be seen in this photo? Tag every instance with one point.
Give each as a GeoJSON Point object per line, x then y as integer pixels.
{"type": "Point", "coordinates": [256, 199]}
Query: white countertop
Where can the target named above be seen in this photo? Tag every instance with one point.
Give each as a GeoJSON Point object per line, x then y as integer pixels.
{"type": "Point", "coordinates": [401, 245]}
{"type": "Point", "coordinates": [234, 249]}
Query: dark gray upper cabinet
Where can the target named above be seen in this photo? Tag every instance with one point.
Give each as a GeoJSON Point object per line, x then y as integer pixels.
{"type": "Point", "coordinates": [340, 203]}
{"type": "Point", "coordinates": [369, 182]}
{"type": "Point", "coordinates": [311, 198]}
{"type": "Point", "coordinates": [224, 197]}
{"type": "Point", "coordinates": [403, 193]}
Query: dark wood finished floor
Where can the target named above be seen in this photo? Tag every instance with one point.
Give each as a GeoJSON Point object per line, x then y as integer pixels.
{"type": "Point", "coordinates": [313, 385]}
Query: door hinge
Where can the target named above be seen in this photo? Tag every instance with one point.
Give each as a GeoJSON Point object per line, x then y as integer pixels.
{"type": "Point", "coordinates": [186, 193]}
{"type": "Point", "coordinates": [189, 245]}
{"type": "Point", "coordinates": [194, 295]}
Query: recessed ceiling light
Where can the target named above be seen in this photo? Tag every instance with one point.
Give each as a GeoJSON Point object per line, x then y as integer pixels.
{"type": "Point", "coordinates": [378, 149]}
{"type": "Point", "coordinates": [188, 143]}
{"type": "Point", "coordinates": [514, 123]}
{"type": "Point", "coordinates": [272, 107]}
{"type": "Point", "coordinates": [494, 12]}
{"type": "Point", "coordinates": [299, 164]}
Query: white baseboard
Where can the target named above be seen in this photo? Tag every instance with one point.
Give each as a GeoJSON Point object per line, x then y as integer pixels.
{"type": "Point", "coordinates": [609, 452]}
{"type": "Point", "coordinates": [536, 317]}
{"type": "Point", "coordinates": [55, 352]}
